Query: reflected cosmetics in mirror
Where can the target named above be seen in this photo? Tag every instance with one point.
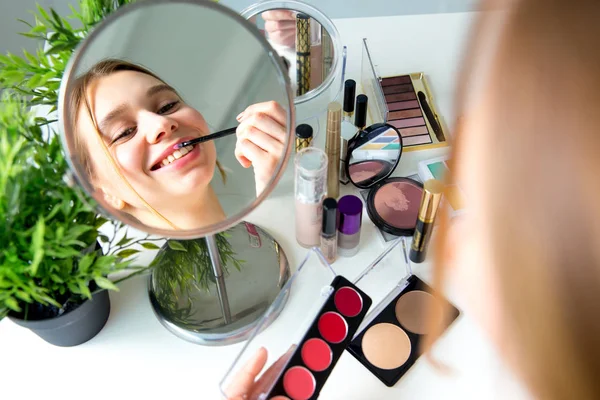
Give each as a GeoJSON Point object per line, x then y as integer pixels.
{"type": "Point", "coordinates": [373, 155]}
{"type": "Point", "coordinates": [307, 370]}
{"type": "Point", "coordinates": [389, 341]}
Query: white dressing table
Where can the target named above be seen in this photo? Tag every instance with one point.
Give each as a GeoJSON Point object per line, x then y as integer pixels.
{"type": "Point", "coordinates": [134, 357]}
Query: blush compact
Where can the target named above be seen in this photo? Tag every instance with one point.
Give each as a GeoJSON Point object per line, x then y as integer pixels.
{"type": "Point", "coordinates": [393, 202]}
{"type": "Point", "coordinates": [393, 205]}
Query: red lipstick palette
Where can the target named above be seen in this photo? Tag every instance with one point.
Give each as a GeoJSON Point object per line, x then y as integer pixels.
{"type": "Point", "coordinates": [304, 343]}
{"type": "Point", "coordinates": [310, 365]}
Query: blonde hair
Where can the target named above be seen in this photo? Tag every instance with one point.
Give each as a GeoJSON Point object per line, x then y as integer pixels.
{"type": "Point", "coordinates": [79, 94]}
{"type": "Point", "coordinates": [542, 195]}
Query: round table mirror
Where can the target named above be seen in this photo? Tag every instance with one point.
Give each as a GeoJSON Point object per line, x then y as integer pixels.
{"type": "Point", "coordinates": [309, 43]}
{"type": "Point", "coordinates": [373, 155]}
{"type": "Point", "coordinates": [176, 117]}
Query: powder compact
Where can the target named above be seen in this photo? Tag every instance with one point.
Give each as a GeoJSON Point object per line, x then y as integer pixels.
{"type": "Point", "coordinates": [392, 203]}
{"type": "Point", "coordinates": [306, 341]}
{"type": "Point", "coordinates": [389, 340]}
{"type": "Point", "coordinates": [405, 102]}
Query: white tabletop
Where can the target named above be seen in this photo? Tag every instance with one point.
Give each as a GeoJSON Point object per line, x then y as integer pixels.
{"type": "Point", "coordinates": [134, 357]}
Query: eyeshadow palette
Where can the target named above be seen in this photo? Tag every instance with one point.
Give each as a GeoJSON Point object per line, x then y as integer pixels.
{"type": "Point", "coordinates": [304, 375]}
{"type": "Point", "coordinates": [389, 341]}
{"type": "Point", "coordinates": [403, 101]}
{"type": "Point", "coordinates": [410, 109]}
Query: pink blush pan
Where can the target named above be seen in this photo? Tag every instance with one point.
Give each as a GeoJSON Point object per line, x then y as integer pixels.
{"type": "Point", "coordinates": [394, 205]}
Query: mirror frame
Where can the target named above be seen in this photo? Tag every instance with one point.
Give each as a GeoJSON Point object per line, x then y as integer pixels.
{"type": "Point", "coordinates": [352, 146]}
{"type": "Point", "coordinates": [74, 176]}
{"type": "Point", "coordinates": [257, 8]}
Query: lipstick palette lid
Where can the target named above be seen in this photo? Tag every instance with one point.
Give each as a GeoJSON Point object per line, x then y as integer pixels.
{"type": "Point", "coordinates": [303, 344]}
{"type": "Point", "coordinates": [389, 271]}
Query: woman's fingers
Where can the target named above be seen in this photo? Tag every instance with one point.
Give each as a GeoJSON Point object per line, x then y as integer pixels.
{"type": "Point", "coordinates": [279, 15]}
{"type": "Point", "coordinates": [263, 131]}
{"type": "Point", "coordinates": [271, 108]}
{"type": "Point", "coordinates": [244, 380]}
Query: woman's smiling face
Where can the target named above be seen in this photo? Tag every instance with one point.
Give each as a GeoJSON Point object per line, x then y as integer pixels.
{"type": "Point", "coordinates": [141, 119]}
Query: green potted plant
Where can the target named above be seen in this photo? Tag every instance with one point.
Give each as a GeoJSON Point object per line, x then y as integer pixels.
{"type": "Point", "coordinates": [56, 255]}
{"type": "Point", "coordinates": [54, 258]}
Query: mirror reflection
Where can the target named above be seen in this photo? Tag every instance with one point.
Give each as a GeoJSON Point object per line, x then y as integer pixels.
{"type": "Point", "coordinates": [155, 79]}
{"type": "Point", "coordinates": [373, 154]}
{"type": "Point", "coordinates": [304, 44]}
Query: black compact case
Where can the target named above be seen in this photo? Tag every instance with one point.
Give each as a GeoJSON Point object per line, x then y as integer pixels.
{"type": "Point", "coordinates": [388, 315]}
{"type": "Point", "coordinates": [352, 323]}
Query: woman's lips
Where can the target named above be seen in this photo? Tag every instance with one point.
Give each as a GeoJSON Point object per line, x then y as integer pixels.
{"type": "Point", "coordinates": [178, 163]}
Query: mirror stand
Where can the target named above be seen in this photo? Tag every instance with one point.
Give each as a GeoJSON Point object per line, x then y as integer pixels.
{"type": "Point", "coordinates": [217, 289]}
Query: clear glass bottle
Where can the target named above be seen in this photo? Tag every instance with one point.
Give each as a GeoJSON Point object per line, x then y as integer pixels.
{"type": "Point", "coordinates": [310, 190]}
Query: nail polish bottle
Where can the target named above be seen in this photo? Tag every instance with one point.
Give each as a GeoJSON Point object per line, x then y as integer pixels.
{"type": "Point", "coordinates": [350, 220]}
{"type": "Point", "coordinates": [329, 229]}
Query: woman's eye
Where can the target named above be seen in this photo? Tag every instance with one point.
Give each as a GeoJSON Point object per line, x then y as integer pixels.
{"type": "Point", "coordinates": [125, 134]}
{"type": "Point", "coordinates": [168, 107]}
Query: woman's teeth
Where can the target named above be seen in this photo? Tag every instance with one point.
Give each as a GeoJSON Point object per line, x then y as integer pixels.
{"type": "Point", "coordinates": [177, 154]}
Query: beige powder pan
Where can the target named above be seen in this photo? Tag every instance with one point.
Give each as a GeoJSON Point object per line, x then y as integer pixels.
{"type": "Point", "coordinates": [386, 346]}
{"type": "Point", "coordinates": [415, 309]}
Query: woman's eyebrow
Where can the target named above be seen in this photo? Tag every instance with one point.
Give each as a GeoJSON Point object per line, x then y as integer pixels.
{"type": "Point", "coordinates": [111, 116]}
{"type": "Point", "coordinates": [160, 88]}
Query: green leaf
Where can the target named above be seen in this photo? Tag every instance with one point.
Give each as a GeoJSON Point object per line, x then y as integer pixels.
{"type": "Point", "coordinates": [105, 283]}
{"type": "Point", "coordinates": [150, 246]}
{"type": "Point", "coordinates": [37, 243]}
{"type": "Point", "coordinates": [12, 304]}
{"type": "Point", "coordinates": [104, 238]}
{"type": "Point", "coordinates": [127, 253]}
{"type": "Point", "coordinates": [85, 291]}
{"type": "Point", "coordinates": [174, 245]}
{"type": "Point", "coordinates": [23, 296]}
{"type": "Point", "coordinates": [125, 240]}
{"type": "Point", "coordinates": [85, 262]}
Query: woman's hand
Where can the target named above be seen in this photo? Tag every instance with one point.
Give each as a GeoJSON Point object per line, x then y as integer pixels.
{"type": "Point", "coordinates": [245, 386]}
{"type": "Point", "coordinates": [261, 140]}
{"type": "Point", "coordinates": [281, 27]}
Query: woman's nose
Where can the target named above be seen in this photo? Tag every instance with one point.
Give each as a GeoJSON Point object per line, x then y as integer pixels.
{"type": "Point", "coordinates": [158, 127]}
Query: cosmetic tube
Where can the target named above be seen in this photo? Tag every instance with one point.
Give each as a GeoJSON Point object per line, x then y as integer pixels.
{"type": "Point", "coordinates": [309, 191]}
{"type": "Point", "coordinates": [302, 53]}
{"type": "Point", "coordinates": [430, 201]}
{"type": "Point", "coordinates": [332, 148]}
{"type": "Point", "coordinates": [348, 127]}
{"type": "Point", "coordinates": [360, 116]}
{"type": "Point", "coordinates": [350, 220]}
{"type": "Point", "coordinates": [304, 135]}
{"type": "Point", "coordinates": [329, 230]}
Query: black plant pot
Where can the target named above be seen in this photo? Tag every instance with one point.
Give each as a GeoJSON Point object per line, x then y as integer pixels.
{"type": "Point", "coordinates": [74, 327]}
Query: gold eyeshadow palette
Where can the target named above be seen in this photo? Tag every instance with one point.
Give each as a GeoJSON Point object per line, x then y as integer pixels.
{"type": "Point", "coordinates": [405, 102]}
{"type": "Point", "coordinates": [389, 340]}
{"type": "Point", "coordinates": [307, 339]}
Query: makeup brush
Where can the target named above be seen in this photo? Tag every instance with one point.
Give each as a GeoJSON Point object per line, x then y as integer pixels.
{"type": "Point", "coordinates": [206, 138]}
{"type": "Point", "coordinates": [429, 113]}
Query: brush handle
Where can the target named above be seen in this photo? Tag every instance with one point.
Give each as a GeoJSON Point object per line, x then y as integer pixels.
{"type": "Point", "coordinates": [206, 138]}
{"type": "Point", "coordinates": [432, 120]}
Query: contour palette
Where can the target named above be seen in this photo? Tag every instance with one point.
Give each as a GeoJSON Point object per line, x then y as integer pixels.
{"type": "Point", "coordinates": [311, 363]}
{"type": "Point", "coordinates": [389, 341]}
